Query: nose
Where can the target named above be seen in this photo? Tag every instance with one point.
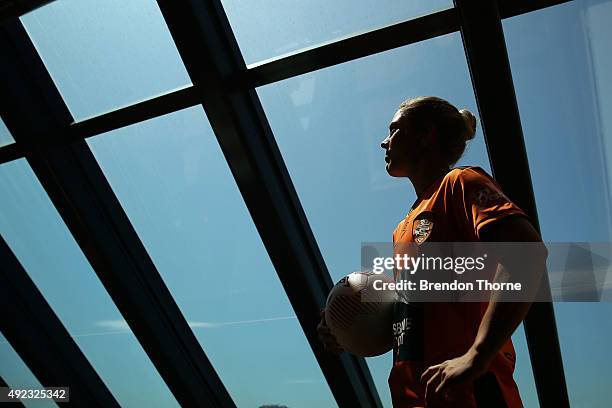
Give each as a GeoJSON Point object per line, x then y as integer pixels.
{"type": "Point", "coordinates": [385, 143]}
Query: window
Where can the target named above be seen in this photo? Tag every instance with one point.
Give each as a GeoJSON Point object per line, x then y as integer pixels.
{"type": "Point", "coordinates": [18, 376]}
{"type": "Point", "coordinates": [103, 54]}
{"type": "Point", "coordinates": [39, 238]}
{"type": "Point", "coordinates": [560, 59]}
{"type": "Point", "coordinates": [5, 135]}
{"type": "Point", "coordinates": [177, 190]}
{"type": "Point", "coordinates": [266, 29]}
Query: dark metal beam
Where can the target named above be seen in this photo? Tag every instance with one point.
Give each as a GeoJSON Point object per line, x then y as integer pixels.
{"type": "Point", "coordinates": [337, 52]}
{"type": "Point", "coordinates": [16, 404]}
{"type": "Point", "coordinates": [408, 32]}
{"type": "Point", "coordinates": [33, 110]}
{"type": "Point", "coordinates": [210, 53]}
{"type": "Point", "coordinates": [485, 47]}
{"type": "Point", "coordinates": [42, 341]}
{"type": "Point", "coordinates": [138, 112]}
{"type": "Point", "coordinates": [372, 42]}
{"type": "Point", "coordinates": [10, 9]}
{"type": "Point", "coordinates": [106, 122]}
{"type": "Point", "coordinates": [11, 152]}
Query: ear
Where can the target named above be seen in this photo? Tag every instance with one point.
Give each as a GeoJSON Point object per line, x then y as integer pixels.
{"type": "Point", "coordinates": [431, 134]}
{"type": "Point", "coordinates": [423, 142]}
{"type": "Point", "coordinates": [429, 137]}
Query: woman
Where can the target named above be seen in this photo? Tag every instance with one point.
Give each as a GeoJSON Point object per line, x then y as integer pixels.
{"type": "Point", "coordinates": [451, 354]}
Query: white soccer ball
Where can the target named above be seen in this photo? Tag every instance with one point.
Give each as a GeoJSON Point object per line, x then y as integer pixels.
{"type": "Point", "coordinates": [360, 317]}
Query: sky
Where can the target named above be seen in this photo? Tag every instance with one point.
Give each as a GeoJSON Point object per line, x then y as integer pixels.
{"type": "Point", "coordinates": [176, 188]}
{"type": "Point", "coordinates": [5, 136]}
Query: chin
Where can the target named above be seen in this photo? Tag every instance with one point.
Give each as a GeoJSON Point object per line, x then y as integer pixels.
{"type": "Point", "coordinates": [391, 171]}
{"type": "Point", "coordinates": [395, 172]}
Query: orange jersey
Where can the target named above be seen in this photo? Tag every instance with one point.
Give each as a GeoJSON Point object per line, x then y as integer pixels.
{"type": "Point", "coordinates": [453, 209]}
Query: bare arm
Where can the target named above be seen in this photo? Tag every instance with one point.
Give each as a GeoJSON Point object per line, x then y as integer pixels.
{"type": "Point", "coordinates": [501, 318]}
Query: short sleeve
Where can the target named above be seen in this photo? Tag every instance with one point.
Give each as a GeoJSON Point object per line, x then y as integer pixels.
{"type": "Point", "coordinates": [478, 199]}
{"type": "Point", "coordinates": [397, 230]}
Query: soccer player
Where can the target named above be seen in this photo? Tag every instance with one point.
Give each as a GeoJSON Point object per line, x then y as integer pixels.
{"type": "Point", "coordinates": [452, 354]}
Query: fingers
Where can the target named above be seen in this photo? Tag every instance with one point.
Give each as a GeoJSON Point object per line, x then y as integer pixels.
{"type": "Point", "coordinates": [437, 383]}
{"type": "Point", "coordinates": [322, 327]}
{"type": "Point", "coordinates": [429, 372]}
{"type": "Point", "coordinates": [432, 384]}
{"type": "Point", "coordinates": [322, 314]}
{"type": "Point", "coordinates": [333, 347]}
{"type": "Point", "coordinates": [441, 387]}
{"type": "Point", "coordinates": [326, 337]}
{"type": "Point", "coordinates": [448, 381]}
{"type": "Point", "coordinates": [330, 343]}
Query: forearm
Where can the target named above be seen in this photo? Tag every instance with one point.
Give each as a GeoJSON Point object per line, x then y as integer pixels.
{"type": "Point", "coordinates": [504, 313]}
{"type": "Point", "coordinates": [497, 325]}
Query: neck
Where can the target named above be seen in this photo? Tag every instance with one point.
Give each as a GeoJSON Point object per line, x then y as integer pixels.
{"type": "Point", "coordinates": [425, 176]}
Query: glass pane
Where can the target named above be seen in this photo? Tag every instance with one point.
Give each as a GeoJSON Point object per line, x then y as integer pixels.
{"type": "Point", "coordinates": [5, 135]}
{"type": "Point", "coordinates": [561, 63]}
{"type": "Point", "coordinates": [523, 372]}
{"type": "Point", "coordinates": [39, 238]}
{"type": "Point", "coordinates": [17, 375]}
{"type": "Point", "coordinates": [266, 29]}
{"type": "Point", "coordinates": [175, 186]}
{"type": "Point", "coordinates": [103, 54]}
{"type": "Point", "coordinates": [329, 125]}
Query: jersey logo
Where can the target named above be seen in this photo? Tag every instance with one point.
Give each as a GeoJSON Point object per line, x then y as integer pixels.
{"type": "Point", "coordinates": [421, 229]}
{"type": "Point", "coordinates": [486, 197]}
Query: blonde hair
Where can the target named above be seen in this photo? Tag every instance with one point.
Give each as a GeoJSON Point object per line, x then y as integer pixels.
{"type": "Point", "coordinates": [454, 127]}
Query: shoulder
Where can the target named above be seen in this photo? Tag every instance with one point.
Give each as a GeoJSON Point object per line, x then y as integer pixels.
{"type": "Point", "coordinates": [469, 178]}
{"type": "Point", "coordinates": [469, 174]}
{"type": "Point", "coordinates": [474, 185]}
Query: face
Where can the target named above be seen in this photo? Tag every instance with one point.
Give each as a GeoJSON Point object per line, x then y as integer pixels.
{"type": "Point", "coordinates": [402, 147]}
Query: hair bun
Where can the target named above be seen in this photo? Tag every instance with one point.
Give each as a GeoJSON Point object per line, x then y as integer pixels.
{"type": "Point", "coordinates": [470, 123]}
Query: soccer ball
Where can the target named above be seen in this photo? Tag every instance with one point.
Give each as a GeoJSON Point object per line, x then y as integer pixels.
{"type": "Point", "coordinates": [359, 316]}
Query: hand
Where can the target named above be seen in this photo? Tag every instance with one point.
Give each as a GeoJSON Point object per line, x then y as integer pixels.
{"type": "Point", "coordinates": [326, 337]}
{"type": "Point", "coordinates": [445, 380]}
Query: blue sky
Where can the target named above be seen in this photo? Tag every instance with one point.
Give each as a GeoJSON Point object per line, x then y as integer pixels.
{"type": "Point", "coordinates": [176, 188]}
{"type": "Point", "coordinates": [5, 136]}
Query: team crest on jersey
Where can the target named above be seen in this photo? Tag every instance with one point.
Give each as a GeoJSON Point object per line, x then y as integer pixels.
{"type": "Point", "coordinates": [422, 227]}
